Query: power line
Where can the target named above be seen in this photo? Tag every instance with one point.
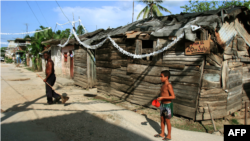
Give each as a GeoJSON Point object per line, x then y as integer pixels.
{"type": "Point", "coordinates": [33, 12]}
{"type": "Point", "coordinates": [62, 10]}
{"type": "Point", "coordinates": [42, 13]}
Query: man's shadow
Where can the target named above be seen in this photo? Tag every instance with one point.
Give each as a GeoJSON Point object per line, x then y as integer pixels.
{"type": "Point", "coordinates": [153, 124]}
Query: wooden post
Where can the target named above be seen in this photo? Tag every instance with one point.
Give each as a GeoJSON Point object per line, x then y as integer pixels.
{"type": "Point", "coordinates": [138, 48]}
{"type": "Point", "coordinates": [212, 118]}
{"type": "Point", "coordinates": [246, 109]}
{"type": "Point", "coordinates": [88, 69]}
{"type": "Point", "coordinates": [158, 57]}
{"type": "Point", "coordinates": [199, 90]}
{"type": "Point", "coordinates": [224, 74]}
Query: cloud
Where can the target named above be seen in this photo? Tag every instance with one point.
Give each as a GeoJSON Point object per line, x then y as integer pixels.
{"type": "Point", "coordinates": [103, 17]}
{"type": "Point", "coordinates": [119, 14]}
{"type": "Point", "coordinates": [174, 3]}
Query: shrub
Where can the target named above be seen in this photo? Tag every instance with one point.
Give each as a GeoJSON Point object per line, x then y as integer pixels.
{"type": "Point", "coordinates": [7, 60]}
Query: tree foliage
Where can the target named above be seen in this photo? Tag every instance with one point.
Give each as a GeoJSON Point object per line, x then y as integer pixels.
{"type": "Point", "coordinates": [37, 39]}
{"type": "Point", "coordinates": [202, 6]}
{"type": "Point", "coordinates": [3, 49]}
{"type": "Point", "coordinates": [80, 30]}
{"type": "Point", "coordinates": [152, 9]}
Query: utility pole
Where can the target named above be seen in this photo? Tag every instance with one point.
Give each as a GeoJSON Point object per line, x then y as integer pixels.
{"type": "Point", "coordinates": [73, 20]}
{"type": "Point", "coordinates": [26, 27]}
{"type": "Point", "coordinates": [133, 12]}
{"type": "Point", "coordinates": [71, 57]}
{"type": "Point", "coordinates": [96, 27]}
{"type": "Point", "coordinates": [79, 25]}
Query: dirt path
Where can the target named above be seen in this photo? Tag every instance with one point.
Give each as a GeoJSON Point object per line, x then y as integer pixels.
{"type": "Point", "coordinates": [26, 118]}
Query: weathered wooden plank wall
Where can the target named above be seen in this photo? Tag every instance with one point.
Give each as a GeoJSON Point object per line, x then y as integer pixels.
{"type": "Point", "coordinates": [222, 81]}
{"type": "Point", "coordinates": [234, 87]}
{"type": "Point", "coordinates": [80, 68]}
{"type": "Point", "coordinates": [138, 81]}
{"type": "Point", "coordinates": [246, 85]}
{"type": "Point", "coordinates": [212, 94]}
{"type": "Point", "coordinates": [108, 60]}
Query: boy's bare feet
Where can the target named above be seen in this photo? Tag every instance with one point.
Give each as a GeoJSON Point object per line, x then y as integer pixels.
{"type": "Point", "coordinates": [158, 135]}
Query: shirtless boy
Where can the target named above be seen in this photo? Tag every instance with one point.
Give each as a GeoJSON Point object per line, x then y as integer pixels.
{"type": "Point", "coordinates": [166, 108]}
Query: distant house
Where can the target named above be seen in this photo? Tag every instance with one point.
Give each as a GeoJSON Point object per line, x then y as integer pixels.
{"type": "Point", "coordinates": [10, 51]}
{"type": "Point", "coordinates": [16, 48]}
{"type": "Point", "coordinates": [20, 48]}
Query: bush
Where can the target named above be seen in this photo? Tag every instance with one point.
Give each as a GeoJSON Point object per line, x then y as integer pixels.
{"type": "Point", "coordinates": [7, 60]}
{"type": "Point", "coordinates": [34, 66]}
{"type": "Point", "coordinates": [24, 59]}
{"type": "Point", "coordinates": [39, 63]}
{"type": "Point", "coordinates": [234, 122]}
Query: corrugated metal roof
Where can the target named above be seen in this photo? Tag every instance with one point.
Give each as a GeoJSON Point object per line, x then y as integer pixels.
{"type": "Point", "coordinates": [174, 25]}
{"type": "Point", "coordinates": [227, 33]}
{"type": "Point", "coordinates": [242, 31]}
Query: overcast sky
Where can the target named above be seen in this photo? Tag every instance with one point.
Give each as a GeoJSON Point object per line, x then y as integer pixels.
{"type": "Point", "coordinates": [93, 14]}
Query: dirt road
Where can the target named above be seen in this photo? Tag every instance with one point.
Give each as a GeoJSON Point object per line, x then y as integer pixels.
{"type": "Point", "coordinates": [26, 118]}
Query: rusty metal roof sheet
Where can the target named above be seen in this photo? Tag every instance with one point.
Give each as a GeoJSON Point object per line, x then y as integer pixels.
{"type": "Point", "coordinates": [227, 33]}
{"type": "Point", "coordinates": [133, 34]}
{"type": "Point", "coordinates": [242, 31]}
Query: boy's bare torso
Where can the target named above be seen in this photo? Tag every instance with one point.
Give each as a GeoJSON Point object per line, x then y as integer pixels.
{"type": "Point", "coordinates": [165, 93]}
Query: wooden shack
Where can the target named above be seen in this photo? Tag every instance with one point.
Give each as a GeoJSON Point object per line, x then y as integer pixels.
{"type": "Point", "coordinates": [209, 65]}
{"type": "Point", "coordinates": [84, 62]}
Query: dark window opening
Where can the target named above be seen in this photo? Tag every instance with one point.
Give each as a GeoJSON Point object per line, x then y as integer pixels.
{"type": "Point", "coordinates": [147, 44]}
{"type": "Point", "coordinates": [65, 56]}
{"type": "Point", "coordinates": [147, 47]}
{"type": "Point", "coordinates": [198, 35]}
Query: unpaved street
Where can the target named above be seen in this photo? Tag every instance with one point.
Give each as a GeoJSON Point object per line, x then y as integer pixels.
{"type": "Point", "coordinates": [26, 118]}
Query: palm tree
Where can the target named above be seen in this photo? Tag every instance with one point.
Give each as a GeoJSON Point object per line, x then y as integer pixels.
{"type": "Point", "coordinates": [152, 9]}
{"type": "Point", "coordinates": [80, 30]}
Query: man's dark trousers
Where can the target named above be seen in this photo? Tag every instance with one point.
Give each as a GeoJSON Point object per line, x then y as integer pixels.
{"type": "Point", "coordinates": [49, 92]}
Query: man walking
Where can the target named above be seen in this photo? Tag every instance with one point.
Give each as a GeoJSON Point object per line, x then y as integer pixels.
{"type": "Point", "coordinates": [51, 79]}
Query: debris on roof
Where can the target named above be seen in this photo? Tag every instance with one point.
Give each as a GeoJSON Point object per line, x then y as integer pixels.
{"type": "Point", "coordinates": [174, 25]}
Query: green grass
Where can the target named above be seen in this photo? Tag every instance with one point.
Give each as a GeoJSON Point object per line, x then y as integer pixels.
{"type": "Point", "coordinates": [30, 69]}
{"type": "Point", "coordinates": [99, 99]}
{"type": "Point", "coordinates": [234, 122]}
{"type": "Point", "coordinates": [190, 127]}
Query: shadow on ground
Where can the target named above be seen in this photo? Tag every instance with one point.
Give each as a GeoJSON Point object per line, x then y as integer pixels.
{"type": "Point", "coordinates": [71, 127]}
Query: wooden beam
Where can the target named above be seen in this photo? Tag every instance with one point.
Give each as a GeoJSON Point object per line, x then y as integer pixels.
{"type": "Point", "coordinates": [224, 74]}
{"type": "Point", "coordinates": [181, 59]}
{"type": "Point", "coordinates": [138, 49]}
{"type": "Point", "coordinates": [145, 70]}
{"type": "Point", "coordinates": [102, 70]}
{"type": "Point", "coordinates": [214, 91]}
{"type": "Point", "coordinates": [183, 110]}
{"type": "Point", "coordinates": [192, 63]}
{"type": "Point", "coordinates": [212, 68]}
{"type": "Point", "coordinates": [199, 89]}
{"type": "Point", "coordinates": [212, 118]}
